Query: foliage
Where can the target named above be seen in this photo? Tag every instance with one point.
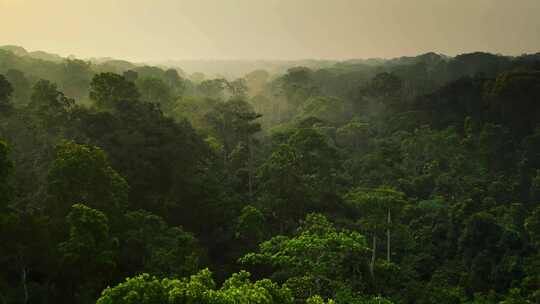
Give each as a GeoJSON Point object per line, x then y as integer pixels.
{"type": "Point", "coordinates": [82, 173]}
{"type": "Point", "coordinates": [319, 260]}
{"type": "Point", "coordinates": [423, 173]}
{"type": "Point", "coordinates": [199, 288]}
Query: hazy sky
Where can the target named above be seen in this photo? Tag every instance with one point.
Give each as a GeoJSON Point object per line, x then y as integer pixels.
{"type": "Point", "coordinates": [270, 29]}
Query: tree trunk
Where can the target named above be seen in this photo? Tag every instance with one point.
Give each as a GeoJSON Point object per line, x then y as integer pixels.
{"type": "Point", "coordinates": [24, 272]}
{"type": "Point", "coordinates": [373, 253]}
{"type": "Point", "coordinates": [389, 221]}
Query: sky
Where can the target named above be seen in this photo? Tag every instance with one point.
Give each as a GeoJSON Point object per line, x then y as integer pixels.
{"type": "Point", "coordinates": [149, 30]}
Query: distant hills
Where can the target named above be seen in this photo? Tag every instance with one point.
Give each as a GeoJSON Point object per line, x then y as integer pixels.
{"type": "Point", "coordinates": [20, 51]}
{"type": "Point", "coordinates": [238, 68]}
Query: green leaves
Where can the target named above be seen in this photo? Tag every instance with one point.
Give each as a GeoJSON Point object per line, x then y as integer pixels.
{"type": "Point", "coordinates": [250, 224]}
{"type": "Point", "coordinates": [155, 90]}
{"type": "Point", "coordinates": [88, 255]}
{"type": "Point", "coordinates": [89, 240]}
{"type": "Point", "coordinates": [107, 89]}
{"type": "Point", "coordinates": [199, 288]}
{"type": "Point", "coordinates": [82, 173]}
{"type": "Point", "coordinates": [152, 246]}
{"type": "Point", "coordinates": [300, 175]}
{"type": "Point", "coordinates": [318, 254]}
{"type": "Point", "coordinates": [374, 206]}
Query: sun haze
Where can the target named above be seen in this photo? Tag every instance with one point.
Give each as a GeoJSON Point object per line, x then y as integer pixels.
{"type": "Point", "coordinates": [269, 29]}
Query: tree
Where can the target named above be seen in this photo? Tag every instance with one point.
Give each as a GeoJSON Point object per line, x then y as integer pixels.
{"type": "Point", "coordinates": [108, 89]}
{"type": "Point", "coordinates": [377, 207]}
{"type": "Point", "coordinates": [161, 159]}
{"type": "Point", "coordinates": [50, 106]}
{"type": "Point", "coordinates": [513, 96]}
{"type": "Point", "coordinates": [149, 245]}
{"type": "Point", "coordinates": [214, 88]}
{"type": "Point", "coordinates": [82, 173]}
{"type": "Point", "coordinates": [21, 86]}
{"type": "Point", "coordinates": [237, 88]}
{"type": "Point", "coordinates": [250, 225]}
{"type": "Point", "coordinates": [328, 109]}
{"type": "Point", "coordinates": [88, 255]}
{"type": "Point", "coordinates": [385, 88]}
{"type": "Point", "coordinates": [318, 260]}
{"type": "Point", "coordinates": [76, 78]}
{"type": "Point", "coordinates": [297, 85]}
{"type": "Point", "coordinates": [299, 176]}
{"type": "Point", "coordinates": [234, 123]}
{"type": "Point", "coordinates": [5, 94]}
{"type": "Point", "coordinates": [354, 134]}
{"type": "Point", "coordinates": [479, 243]}
{"type": "Point", "coordinates": [155, 90]}
{"type": "Point", "coordinates": [175, 82]}
{"type": "Point", "coordinates": [198, 288]}
{"type": "Point", "coordinates": [28, 255]}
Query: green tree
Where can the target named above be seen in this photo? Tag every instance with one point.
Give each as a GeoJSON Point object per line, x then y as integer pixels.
{"type": "Point", "coordinates": [88, 255]}
{"type": "Point", "coordinates": [299, 176]}
{"type": "Point", "coordinates": [108, 89]}
{"type": "Point", "coordinates": [298, 85]}
{"type": "Point", "coordinates": [214, 88]}
{"type": "Point", "coordinates": [82, 173]}
{"type": "Point", "coordinates": [513, 96]}
{"type": "Point", "coordinates": [175, 82]}
{"type": "Point", "coordinates": [77, 75]}
{"type": "Point", "coordinates": [148, 244]}
{"type": "Point", "coordinates": [234, 123]}
{"type": "Point", "coordinates": [318, 260]}
{"type": "Point", "coordinates": [155, 90]}
{"type": "Point", "coordinates": [250, 225]}
{"type": "Point", "coordinates": [50, 106]}
{"type": "Point", "coordinates": [328, 109]}
{"type": "Point", "coordinates": [6, 90]}
{"type": "Point", "coordinates": [385, 88]}
{"type": "Point", "coordinates": [198, 288]}
{"type": "Point", "coordinates": [376, 207]}
{"type": "Point", "coordinates": [21, 86]}
{"type": "Point", "coordinates": [480, 246]}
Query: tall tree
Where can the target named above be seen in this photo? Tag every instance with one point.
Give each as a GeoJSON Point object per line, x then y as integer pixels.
{"type": "Point", "coordinates": [108, 89]}
{"type": "Point", "coordinates": [377, 207]}
{"type": "Point", "coordinates": [319, 259]}
{"type": "Point", "coordinates": [82, 173]}
{"type": "Point", "coordinates": [88, 255]}
{"type": "Point", "coordinates": [50, 106]}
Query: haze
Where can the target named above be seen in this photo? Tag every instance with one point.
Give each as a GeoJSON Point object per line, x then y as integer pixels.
{"type": "Point", "coordinates": [145, 30]}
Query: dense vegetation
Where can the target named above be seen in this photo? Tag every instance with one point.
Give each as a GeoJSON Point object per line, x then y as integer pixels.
{"type": "Point", "coordinates": [412, 180]}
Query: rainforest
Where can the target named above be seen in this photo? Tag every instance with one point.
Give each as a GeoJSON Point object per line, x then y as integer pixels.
{"type": "Point", "coordinates": [384, 180]}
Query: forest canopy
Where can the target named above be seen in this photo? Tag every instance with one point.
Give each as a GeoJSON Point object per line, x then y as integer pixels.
{"type": "Point", "coordinates": [406, 180]}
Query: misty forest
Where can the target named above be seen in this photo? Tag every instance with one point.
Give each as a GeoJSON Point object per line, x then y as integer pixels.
{"type": "Point", "coordinates": [377, 181]}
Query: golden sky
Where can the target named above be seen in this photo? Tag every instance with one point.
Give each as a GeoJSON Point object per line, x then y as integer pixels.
{"type": "Point", "coordinates": [270, 29]}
